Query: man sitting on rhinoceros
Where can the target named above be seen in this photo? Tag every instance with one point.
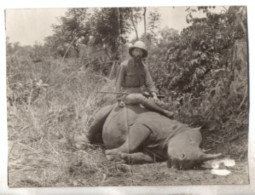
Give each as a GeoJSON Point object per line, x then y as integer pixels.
{"type": "Point", "coordinates": [140, 135]}
{"type": "Point", "coordinates": [132, 76]}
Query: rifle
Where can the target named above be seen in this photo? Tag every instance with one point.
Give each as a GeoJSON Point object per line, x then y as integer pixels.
{"type": "Point", "coordinates": [146, 94]}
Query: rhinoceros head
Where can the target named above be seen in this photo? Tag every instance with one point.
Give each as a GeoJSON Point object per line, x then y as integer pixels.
{"type": "Point", "coordinates": [184, 151]}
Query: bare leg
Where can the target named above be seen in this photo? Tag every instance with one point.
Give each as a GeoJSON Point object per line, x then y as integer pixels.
{"type": "Point", "coordinates": [136, 158]}
{"type": "Point", "coordinates": [138, 133]}
{"type": "Point", "coordinates": [137, 98]}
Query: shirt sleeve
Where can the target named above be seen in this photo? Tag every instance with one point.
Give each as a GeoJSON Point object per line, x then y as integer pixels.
{"type": "Point", "coordinates": [148, 80]}
{"type": "Point", "coordinates": [120, 78]}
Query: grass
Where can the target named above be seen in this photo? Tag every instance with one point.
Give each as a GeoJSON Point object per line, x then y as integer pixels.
{"type": "Point", "coordinates": [47, 137]}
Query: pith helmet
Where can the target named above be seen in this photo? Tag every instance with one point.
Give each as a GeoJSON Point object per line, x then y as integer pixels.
{"type": "Point", "coordinates": [141, 45]}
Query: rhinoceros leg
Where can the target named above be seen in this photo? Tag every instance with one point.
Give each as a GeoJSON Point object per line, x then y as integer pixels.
{"type": "Point", "coordinates": [136, 158]}
{"type": "Point", "coordinates": [94, 133]}
{"type": "Point", "coordinates": [137, 134]}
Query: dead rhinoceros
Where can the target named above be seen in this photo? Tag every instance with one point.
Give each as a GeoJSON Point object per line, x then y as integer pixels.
{"type": "Point", "coordinates": [137, 135]}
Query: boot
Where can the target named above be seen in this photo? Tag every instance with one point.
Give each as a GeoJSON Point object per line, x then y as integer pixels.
{"type": "Point", "coordinates": [151, 105]}
{"type": "Point", "coordinates": [169, 114]}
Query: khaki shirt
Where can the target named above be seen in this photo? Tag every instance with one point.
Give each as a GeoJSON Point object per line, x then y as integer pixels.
{"type": "Point", "coordinates": [133, 75]}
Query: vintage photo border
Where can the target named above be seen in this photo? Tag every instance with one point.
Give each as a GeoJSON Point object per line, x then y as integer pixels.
{"type": "Point", "coordinates": [214, 189]}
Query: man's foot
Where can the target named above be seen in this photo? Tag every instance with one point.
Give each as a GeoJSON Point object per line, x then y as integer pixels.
{"type": "Point", "coordinates": [169, 114]}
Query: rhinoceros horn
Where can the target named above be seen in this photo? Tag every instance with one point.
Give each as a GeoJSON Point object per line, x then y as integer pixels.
{"type": "Point", "coordinates": [206, 157]}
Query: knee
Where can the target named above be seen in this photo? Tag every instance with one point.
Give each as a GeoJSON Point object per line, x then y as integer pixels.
{"type": "Point", "coordinates": [135, 98]}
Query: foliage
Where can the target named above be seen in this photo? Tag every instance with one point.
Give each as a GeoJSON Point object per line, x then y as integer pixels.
{"type": "Point", "coordinates": [204, 71]}
{"type": "Point", "coordinates": [100, 28]}
{"type": "Point", "coordinates": [154, 21]}
{"type": "Point", "coordinates": [50, 107]}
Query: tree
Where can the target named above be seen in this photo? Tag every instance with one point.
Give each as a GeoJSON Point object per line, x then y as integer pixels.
{"type": "Point", "coordinates": [98, 28]}
{"type": "Point", "coordinates": [154, 21]}
{"type": "Point", "coordinates": [198, 64]}
{"type": "Point", "coordinates": [144, 19]}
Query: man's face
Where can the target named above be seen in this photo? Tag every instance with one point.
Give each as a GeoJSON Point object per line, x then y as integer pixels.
{"type": "Point", "coordinates": [137, 53]}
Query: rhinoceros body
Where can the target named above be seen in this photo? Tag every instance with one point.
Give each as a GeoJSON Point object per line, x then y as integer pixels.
{"type": "Point", "coordinates": [117, 124]}
{"type": "Point", "coordinates": [138, 135]}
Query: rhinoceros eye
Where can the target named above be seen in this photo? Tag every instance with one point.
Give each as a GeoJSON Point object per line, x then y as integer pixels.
{"type": "Point", "coordinates": [182, 156]}
{"type": "Point", "coordinates": [191, 140]}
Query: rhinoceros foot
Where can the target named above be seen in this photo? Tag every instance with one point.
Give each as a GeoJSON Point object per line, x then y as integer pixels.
{"type": "Point", "coordinates": [113, 155]}
{"type": "Point", "coordinates": [136, 158]}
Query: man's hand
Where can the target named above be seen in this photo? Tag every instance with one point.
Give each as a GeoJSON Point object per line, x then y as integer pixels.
{"type": "Point", "coordinates": [121, 104]}
{"type": "Point", "coordinates": [154, 96]}
{"type": "Point", "coordinates": [119, 97]}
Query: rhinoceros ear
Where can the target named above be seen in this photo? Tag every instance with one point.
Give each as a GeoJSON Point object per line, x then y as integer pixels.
{"type": "Point", "coordinates": [197, 129]}
{"type": "Point", "coordinates": [206, 157]}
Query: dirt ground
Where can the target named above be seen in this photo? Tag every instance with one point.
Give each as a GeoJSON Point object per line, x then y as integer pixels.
{"type": "Point", "coordinates": [28, 167]}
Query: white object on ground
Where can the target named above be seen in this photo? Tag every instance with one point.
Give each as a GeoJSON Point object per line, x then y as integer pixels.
{"type": "Point", "coordinates": [215, 164]}
{"type": "Point", "coordinates": [220, 172]}
{"type": "Point", "coordinates": [227, 162]}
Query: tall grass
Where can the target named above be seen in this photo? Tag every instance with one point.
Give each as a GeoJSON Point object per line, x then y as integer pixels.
{"type": "Point", "coordinates": [47, 136]}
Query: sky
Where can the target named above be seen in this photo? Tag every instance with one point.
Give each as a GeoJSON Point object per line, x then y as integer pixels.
{"type": "Point", "coordinates": [28, 26]}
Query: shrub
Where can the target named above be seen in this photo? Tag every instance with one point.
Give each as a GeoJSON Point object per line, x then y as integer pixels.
{"type": "Point", "coordinates": [203, 71]}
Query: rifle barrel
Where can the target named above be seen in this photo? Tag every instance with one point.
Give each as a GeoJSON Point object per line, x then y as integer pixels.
{"type": "Point", "coordinates": [109, 92]}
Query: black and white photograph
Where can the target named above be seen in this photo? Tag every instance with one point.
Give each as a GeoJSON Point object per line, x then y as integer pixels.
{"type": "Point", "coordinates": [127, 96]}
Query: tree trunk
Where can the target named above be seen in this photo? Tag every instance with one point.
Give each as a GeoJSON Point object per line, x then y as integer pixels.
{"type": "Point", "coordinates": [144, 19]}
{"type": "Point", "coordinates": [119, 46]}
{"type": "Point", "coordinates": [70, 45]}
{"type": "Point", "coordinates": [132, 20]}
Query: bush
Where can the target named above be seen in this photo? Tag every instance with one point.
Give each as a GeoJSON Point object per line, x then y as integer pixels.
{"type": "Point", "coordinates": [203, 71]}
{"type": "Point", "coordinates": [50, 106]}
